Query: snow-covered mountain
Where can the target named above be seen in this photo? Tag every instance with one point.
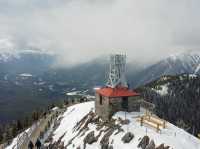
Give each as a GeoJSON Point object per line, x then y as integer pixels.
{"type": "Point", "coordinates": [9, 51]}
{"type": "Point", "coordinates": [187, 62]}
{"type": "Point", "coordinates": [13, 55]}
{"type": "Point", "coordinates": [30, 60]}
{"type": "Point", "coordinates": [34, 60]}
{"type": "Point", "coordinates": [80, 128]}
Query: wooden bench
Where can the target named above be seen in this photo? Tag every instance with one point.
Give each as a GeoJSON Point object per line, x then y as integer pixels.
{"type": "Point", "coordinates": [156, 120]}
{"type": "Point", "coordinates": [152, 121]}
{"type": "Point", "coordinates": [198, 135]}
{"type": "Point", "coordinates": [151, 124]}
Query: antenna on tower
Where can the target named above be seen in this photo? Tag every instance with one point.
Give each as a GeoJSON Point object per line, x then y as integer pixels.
{"type": "Point", "coordinates": [116, 75]}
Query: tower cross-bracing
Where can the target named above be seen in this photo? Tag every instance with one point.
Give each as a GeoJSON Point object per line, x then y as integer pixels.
{"type": "Point", "coordinates": [116, 76]}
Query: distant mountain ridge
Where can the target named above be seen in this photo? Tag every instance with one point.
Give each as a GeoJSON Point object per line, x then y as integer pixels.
{"type": "Point", "coordinates": [95, 72]}
{"type": "Point", "coordinates": [183, 63]}
{"type": "Point", "coordinates": [26, 61]}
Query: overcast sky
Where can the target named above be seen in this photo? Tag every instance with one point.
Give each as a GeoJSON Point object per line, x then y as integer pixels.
{"type": "Point", "coordinates": [79, 30]}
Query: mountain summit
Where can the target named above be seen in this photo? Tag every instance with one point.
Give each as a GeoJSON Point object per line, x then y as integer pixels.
{"type": "Point", "coordinates": [86, 130]}
{"type": "Point", "coordinates": [182, 63]}
{"type": "Point", "coordinates": [80, 128]}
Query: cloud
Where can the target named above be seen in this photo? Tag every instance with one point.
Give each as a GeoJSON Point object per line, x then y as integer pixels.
{"type": "Point", "coordinates": [79, 30]}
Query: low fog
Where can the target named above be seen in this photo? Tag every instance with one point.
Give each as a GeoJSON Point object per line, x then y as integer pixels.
{"type": "Point", "coordinates": [81, 30]}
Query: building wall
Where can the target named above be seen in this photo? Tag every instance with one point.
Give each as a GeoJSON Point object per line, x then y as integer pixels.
{"type": "Point", "coordinates": [134, 104]}
{"type": "Point", "coordinates": [110, 106]}
{"type": "Point", "coordinates": [103, 109]}
{"type": "Point", "coordinates": [115, 105]}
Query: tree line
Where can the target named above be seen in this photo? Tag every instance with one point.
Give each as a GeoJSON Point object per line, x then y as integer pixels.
{"type": "Point", "coordinates": [10, 130]}
{"type": "Point", "coordinates": [180, 105]}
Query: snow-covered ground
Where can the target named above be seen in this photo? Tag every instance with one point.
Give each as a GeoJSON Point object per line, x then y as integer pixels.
{"type": "Point", "coordinates": [80, 93]}
{"type": "Point", "coordinates": [197, 69]}
{"type": "Point", "coordinates": [163, 91]}
{"type": "Point", "coordinates": [20, 138]}
{"type": "Point", "coordinates": [13, 145]}
{"type": "Point", "coordinates": [25, 75]}
{"type": "Point", "coordinates": [172, 136]}
{"type": "Point", "coordinates": [73, 93]}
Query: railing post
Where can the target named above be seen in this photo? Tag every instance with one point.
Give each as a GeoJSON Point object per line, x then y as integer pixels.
{"type": "Point", "coordinates": [141, 121]}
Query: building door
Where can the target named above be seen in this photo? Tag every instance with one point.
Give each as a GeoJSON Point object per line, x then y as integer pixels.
{"type": "Point", "coordinates": [125, 103]}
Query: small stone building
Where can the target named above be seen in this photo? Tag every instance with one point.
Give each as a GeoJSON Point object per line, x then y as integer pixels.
{"type": "Point", "coordinates": [117, 96]}
{"type": "Point", "coordinates": [110, 100]}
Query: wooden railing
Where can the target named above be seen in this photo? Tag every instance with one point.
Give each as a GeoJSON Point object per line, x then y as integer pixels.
{"type": "Point", "coordinates": [25, 136]}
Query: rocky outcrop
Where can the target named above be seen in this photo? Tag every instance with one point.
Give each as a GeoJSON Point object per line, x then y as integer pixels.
{"type": "Point", "coordinates": [151, 145]}
{"type": "Point", "coordinates": [105, 139]}
{"type": "Point", "coordinates": [162, 146]}
{"type": "Point", "coordinates": [90, 138]}
{"type": "Point", "coordinates": [144, 142]}
{"type": "Point", "coordinates": [127, 137]}
{"type": "Point", "coordinates": [124, 122]}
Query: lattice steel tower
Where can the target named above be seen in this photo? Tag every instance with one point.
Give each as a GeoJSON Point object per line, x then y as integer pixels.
{"type": "Point", "coordinates": [116, 75]}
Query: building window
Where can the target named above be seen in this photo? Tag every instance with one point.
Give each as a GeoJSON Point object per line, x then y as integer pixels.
{"type": "Point", "coordinates": [100, 99]}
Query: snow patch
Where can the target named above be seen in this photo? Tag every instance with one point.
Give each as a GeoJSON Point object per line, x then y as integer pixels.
{"type": "Point", "coordinates": [192, 76]}
{"type": "Point", "coordinates": [25, 75]}
{"type": "Point", "coordinates": [163, 91]}
{"type": "Point", "coordinates": [197, 69]}
{"type": "Point", "coordinates": [55, 108]}
{"type": "Point", "coordinates": [73, 93]}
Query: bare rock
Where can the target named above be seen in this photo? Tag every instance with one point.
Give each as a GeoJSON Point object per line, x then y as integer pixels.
{"type": "Point", "coordinates": [144, 142]}
{"type": "Point", "coordinates": [151, 145]}
{"type": "Point", "coordinates": [110, 147]}
{"type": "Point", "coordinates": [127, 137]}
{"type": "Point", "coordinates": [90, 138]}
{"type": "Point", "coordinates": [162, 146]}
{"type": "Point", "coordinates": [106, 146]}
{"type": "Point", "coordinates": [105, 139]}
{"type": "Point", "coordinates": [124, 122]}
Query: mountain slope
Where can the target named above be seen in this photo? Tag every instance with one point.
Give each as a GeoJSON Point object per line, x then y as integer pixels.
{"type": "Point", "coordinates": [187, 62]}
{"type": "Point", "coordinates": [26, 61]}
{"type": "Point", "coordinates": [79, 123]}
{"type": "Point", "coordinates": [176, 99]}
{"type": "Point", "coordinates": [94, 72]}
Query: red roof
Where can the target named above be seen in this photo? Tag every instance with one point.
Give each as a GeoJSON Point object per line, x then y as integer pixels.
{"type": "Point", "coordinates": [116, 92]}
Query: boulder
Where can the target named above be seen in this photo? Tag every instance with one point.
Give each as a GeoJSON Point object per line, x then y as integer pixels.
{"type": "Point", "coordinates": [106, 146]}
{"type": "Point", "coordinates": [144, 142]}
{"type": "Point", "coordinates": [151, 145]}
{"type": "Point", "coordinates": [127, 137]}
{"type": "Point", "coordinates": [162, 146]}
{"type": "Point", "coordinates": [105, 138]}
{"type": "Point", "coordinates": [110, 147]}
{"type": "Point", "coordinates": [90, 138]}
